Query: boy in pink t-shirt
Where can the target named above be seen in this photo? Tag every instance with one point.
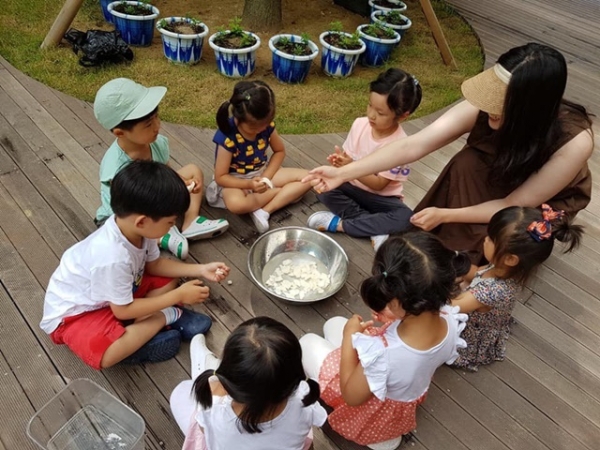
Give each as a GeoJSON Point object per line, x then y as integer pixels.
{"type": "Point", "coordinates": [372, 206]}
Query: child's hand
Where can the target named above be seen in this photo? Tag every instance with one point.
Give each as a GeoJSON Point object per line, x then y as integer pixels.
{"type": "Point", "coordinates": [214, 271]}
{"type": "Point", "coordinates": [193, 186]}
{"type": "Point", "coordinates": [339, 158]}
{"type": "Point", "coordinates": [193, 292]}
{"type": "Point", "coordinates": [258, 185]}
{"type": "Point", "coordinates": [356, 325]}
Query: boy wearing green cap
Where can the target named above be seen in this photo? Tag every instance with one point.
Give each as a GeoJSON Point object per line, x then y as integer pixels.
{"type": "Point", "coordinates": [130, 111]}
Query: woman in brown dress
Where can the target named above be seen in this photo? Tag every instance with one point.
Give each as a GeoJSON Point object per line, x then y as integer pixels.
{"type": "Point", "coordinates": [526, 146]}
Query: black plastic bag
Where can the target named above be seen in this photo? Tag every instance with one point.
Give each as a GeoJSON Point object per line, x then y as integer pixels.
{"type": "Point", "coordinates": [99, 46]}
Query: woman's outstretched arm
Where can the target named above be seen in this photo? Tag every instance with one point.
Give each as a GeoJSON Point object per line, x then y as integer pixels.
{"type": "Point", "coordinates": [455, 122]}
{"type": "Point", "coordinates": [540, 187]}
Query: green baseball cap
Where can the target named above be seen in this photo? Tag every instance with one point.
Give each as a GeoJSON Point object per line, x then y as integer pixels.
{"type": "Point", "coordinates": [124, 99]}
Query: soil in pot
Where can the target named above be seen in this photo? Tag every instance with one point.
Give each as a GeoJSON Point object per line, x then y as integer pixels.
{"type": "Point", "coordinates": [133, 10]}
{"type": "Point", "coordinates": [393, 17]}
{"type": "Point", "coordinates": [342, 41]}
{"type": "Point", "coordinates": [183, 27]}
{"type": "Point", "coordinates": [386, 4]}
{"type": "Point", "coordinates": [293, 48]}
{"type": "Point", "coordinates": [234, 40]}
{"type": "Point", "coordinates": [379, 31]}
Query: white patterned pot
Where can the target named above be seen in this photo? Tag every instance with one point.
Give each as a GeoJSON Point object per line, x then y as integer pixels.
{"type": "Point", "coordinates": [291, 68]}
{"type": "Point", "coordinates": [135, 30]}
{"type": "Point", "coordinates": [378, 50]}
{"type": "Point", "coordinates": [401, 6]}
{"type": "Point", "coordinates": [377, 16]}
{"type": "Point", "coordinates": [182, 48]}
{"type": "Point", "coordinates": [338, 62]}
{"type": "Point", "coordinates": [235, 62]}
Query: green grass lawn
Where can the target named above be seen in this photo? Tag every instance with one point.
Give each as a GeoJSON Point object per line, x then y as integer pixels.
{"type": "Point", "coordinates": [320, 105]}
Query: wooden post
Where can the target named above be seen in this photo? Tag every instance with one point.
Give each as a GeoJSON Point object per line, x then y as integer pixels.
{"type": "Point", "coordinates": [62, 23]}
{"type": "Point", "coordinates": [438, 34]}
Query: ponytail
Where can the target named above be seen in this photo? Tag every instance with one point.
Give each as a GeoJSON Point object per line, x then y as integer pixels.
{"type": "Point", "coordinates": [461, 263]}
{"type": "Point", "coordinates": [223, 118]}
{"type": "Point", "coordinates": [567, 232]}
{"type": "Point", "coordinates": [201, 389]}
{"type": "Point", "coordinates": [314, 393]}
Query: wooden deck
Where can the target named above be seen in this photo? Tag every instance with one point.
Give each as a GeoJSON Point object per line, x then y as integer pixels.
{"type": "Point", "coordinates": [546, 395]}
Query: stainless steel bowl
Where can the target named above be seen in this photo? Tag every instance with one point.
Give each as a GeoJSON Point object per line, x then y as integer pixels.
{"type": "Point", "coordinates": [297, 243]}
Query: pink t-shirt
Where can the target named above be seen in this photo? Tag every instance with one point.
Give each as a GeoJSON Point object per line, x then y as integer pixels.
{"type": "Point", "coordinates": [360, 143]}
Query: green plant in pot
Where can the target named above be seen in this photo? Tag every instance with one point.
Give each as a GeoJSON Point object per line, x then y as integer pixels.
{"type": "Point", "coordinates": [340, 50]}
{"type": "Point", "coordinates": [182, 38]}
{"type": "Point", "coordinates": [292, 56]}
{"type": "Point", "coordinates": [235, 49]}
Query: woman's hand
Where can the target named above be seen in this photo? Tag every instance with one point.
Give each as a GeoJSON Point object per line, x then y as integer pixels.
{"type": "Point", "coordinates": [214, 271]}
{"type": "Point", "coordinates": [324, 178]}
{"type": "Point", "coordinates": [429, 218]}
{"type": "Point", "coordinates": [356, 325]}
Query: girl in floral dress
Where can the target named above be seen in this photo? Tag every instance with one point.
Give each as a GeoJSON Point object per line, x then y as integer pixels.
{"type": "Point", "coordinates": [519, 240]}
{"type": "Point", "coordinates": [374, 379]}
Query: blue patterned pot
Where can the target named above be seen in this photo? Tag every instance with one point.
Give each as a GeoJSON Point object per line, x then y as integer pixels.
{"type": "Point", "coordinates": [135, 30]}
{"type": "Point", "coordinates": [291, 68]}
{"type": "Point", "coordinates": [338, 62]}
{"type": "Point", "coordinates": [378, 50]}
{"type": "Point", "coordinates": [182, 48]}
{"type": "Point", "coordinates": [400, 8]}
{"type": "Point", "coordinates": [107, 15]}
{"type": "Point", "coordinates": [377, 16]}
{"type": "Point", "coordinates": [235, 62]}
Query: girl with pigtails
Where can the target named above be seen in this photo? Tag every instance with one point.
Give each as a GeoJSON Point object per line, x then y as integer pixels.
{"type": "Point", "coordinates": [518, 241]}
{"type": "Point", "coordinates": [246, 180]}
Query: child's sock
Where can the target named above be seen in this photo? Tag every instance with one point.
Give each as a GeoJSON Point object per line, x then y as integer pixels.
{"type": "Point", "coordinates": [261, 220]}
{"type": "Point", "coordinates": [172, 314]}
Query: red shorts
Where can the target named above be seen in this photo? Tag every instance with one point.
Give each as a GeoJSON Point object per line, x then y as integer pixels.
{"type": "Point", "coordinates": [89, 334]}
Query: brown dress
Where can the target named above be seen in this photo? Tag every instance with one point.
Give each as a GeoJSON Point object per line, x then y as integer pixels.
{"type": "Point", "coordinates": [464, 182]}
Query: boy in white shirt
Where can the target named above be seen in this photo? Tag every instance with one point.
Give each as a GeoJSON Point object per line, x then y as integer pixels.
{"type": "Point", "coordinates": [112, 293]}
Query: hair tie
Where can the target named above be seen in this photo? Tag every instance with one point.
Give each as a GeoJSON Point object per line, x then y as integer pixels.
{"type": "Point", "coordinates": [541, 230]}
{"type": "Point", "coordinates": [247, 97]}
{"type": "Point", "coordinates": [455, 252]}
{"type": "Point", "coordinates": [214, 373]}
{"type": "Point", "coordinates": [384, 273]}
{"type": "Point", "coordinates": [415, 81]}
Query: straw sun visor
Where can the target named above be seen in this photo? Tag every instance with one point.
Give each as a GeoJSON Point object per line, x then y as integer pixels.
{"type": "Point", "coordinates": [487, 90]}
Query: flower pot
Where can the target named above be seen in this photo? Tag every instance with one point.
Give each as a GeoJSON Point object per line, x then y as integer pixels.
{"type": "Point", "coordinates": [235, 62]}
{"type": "Point", "coordinates": [376, 16]}
{"type": "Point", "coordinates": [378, 50]}
{"type": "Point", "coordinates": [182, 48]}
{"type": "Point", "coordinates": [105, 12]}
{"type": "Point", "coordinates": [400, 8]}
{"type": "Point", "coordinates": [291, 68]}
{"type": "Point", "coordinates": [338, 62]}
{"type": "Point", "coordinates": [135, 30]}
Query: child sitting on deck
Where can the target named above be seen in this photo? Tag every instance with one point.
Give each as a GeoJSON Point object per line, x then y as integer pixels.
{"type": "Point", "coordinates": [246, 180]}
{"type": "Point", "coordinates": [372, 206]}
{"type": "Point", "coordinates": [112, 293]}
{"type": "Point", "coordinates": [519, 240]}
{"type": "Point", "coordinates": [374, 379]}
{"type": "Point", "coordinates": [130, 111]}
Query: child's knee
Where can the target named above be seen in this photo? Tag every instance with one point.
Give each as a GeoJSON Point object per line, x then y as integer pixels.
{"type": "Point", "coordinates": [192, 171]}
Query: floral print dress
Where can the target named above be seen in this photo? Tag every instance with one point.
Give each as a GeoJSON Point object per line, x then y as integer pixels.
{"type": "Point", "coordinates": [486, 332]}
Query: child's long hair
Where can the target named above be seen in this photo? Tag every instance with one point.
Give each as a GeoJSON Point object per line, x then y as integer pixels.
{"type": "Point", "coordinates": [252, 101]}
{"type": "Point", "coordinates": [416, 269]}
{"type": "Point", "coordinates": [403, 90]}
{"type": "Point", "coordinates": [261, 367]}
{"type": "Point", "coordinates": [529, 234]}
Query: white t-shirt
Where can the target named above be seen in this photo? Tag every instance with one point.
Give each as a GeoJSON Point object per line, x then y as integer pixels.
{"type": "Point", "coordinates": [360, 143]}
{"type": "Point", "coordinates": [103, 268]}
{"type": "Point", "coordinates": [286, 432]}
{"type": "Point", "coordinates": [400, 372]}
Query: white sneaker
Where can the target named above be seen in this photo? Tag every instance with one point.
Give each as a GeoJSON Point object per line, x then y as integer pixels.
{"type": "Point", "coordinates": [323, 221]}
{"type": "Point", "coordinates": [175, 242]}
{"type": "Point", "coordinates": [261, 220]}
{"type": "Point", "coordinates": [392, 444]}
{"type": "Point", "coordinates": [201, 357]}
{"type": "Point", "coordinates": [203, 228]}
{"type": "Point", "coordinates": [376, 241]}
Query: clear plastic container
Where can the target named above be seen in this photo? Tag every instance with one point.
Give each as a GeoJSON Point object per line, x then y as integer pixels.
{"type": "Point", "coordinates": [85, 416]}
